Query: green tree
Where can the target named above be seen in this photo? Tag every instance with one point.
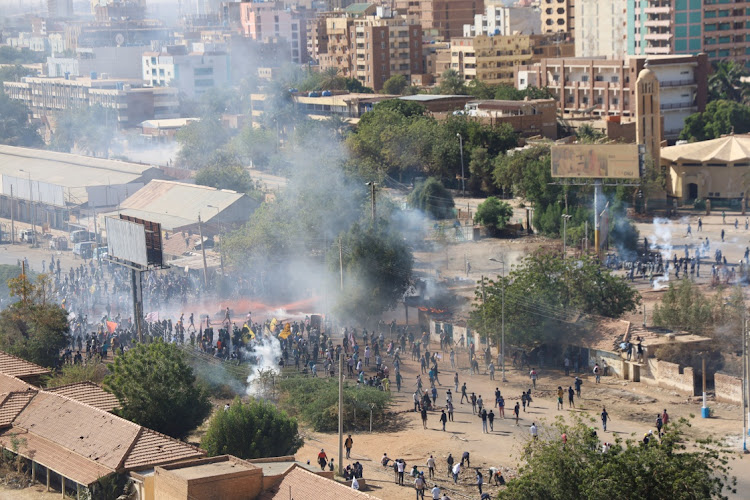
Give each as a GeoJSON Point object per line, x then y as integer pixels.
{"type": "Point", "coordinates": [720, 117]}
{"type": "Point", "coordinates": [432, 198]}
{"type": "Point", "coordinates": [684, 307]}
{"type": "Point", "coordinates": [15, 128]}
{"type": "Point", "coordinates": [395, 85]}
{"type": "Point", "coordinates": [451, 83]}
{"type": "Point", "coordinates": [588, 134]}
{"type": "Point", "coordinates": [88, 130]}
{"type": "Point", "coordinates": [33, 328]}
{"type": "Point", "coordinates": [377, 266]}
{"type": "Point", "coordinates": [224, 172]}
{"type": "Point", "coordinates": [545, 293]}
{"type": "Point", "coordinates": [256, 429]}
{"type": "Point", "coordinates": [674, 467]}
{"type": "Point", "coordinates": [156, 388]}
{"type": "Point", "coordinates": [254, 146]}
{"type": "Point", "coordinates": [199, 142]}
{"type": "Point", "coordinates": [493, 214]}
{"type": "Point", "coordinates": [12, 55]}
{"type": "Point", "coordinates": [354, 86]}
{"type": "Point", "coordinates": [725, 81]}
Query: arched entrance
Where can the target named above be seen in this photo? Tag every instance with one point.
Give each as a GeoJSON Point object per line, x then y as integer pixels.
{"type": "Point", "coordinates": [692, 191]}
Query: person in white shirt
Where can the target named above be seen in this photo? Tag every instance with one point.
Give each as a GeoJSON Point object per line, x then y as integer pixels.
{"type": "Point", "coordinates": [431, 466]}
{"type": "Point", "coordinates": [435, 493]}
{"type": "Point", "coordinates": [533, 430]}
{"type": "Point", "coordinates": [355, 484]}
{"type": "Point", "coordinates": [456, 472]}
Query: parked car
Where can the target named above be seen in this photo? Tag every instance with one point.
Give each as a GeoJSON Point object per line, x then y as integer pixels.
{"type": "Point", "coordinates": [27, 235]}
{"type": "Point", "coordinates": [85, 249]}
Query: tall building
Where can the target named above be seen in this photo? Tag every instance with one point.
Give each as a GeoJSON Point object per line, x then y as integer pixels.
{"type": "Point", "coordinates": [371, 48]}
{"type": "Point", "coordinates": [499, 20]}
{"type": "Point", "coordinates": [558, 16]}
{"type": "Point", "coordinates": [599, 87]}
{"type": "Point", "coordinates": [441, 19]}
{"type": "Point", "coordinates": [60, 8]}
{"type": "Point", "coordinates": [192, 73]}
{"type": "Point", "coordinates": [601, 28]}
{"type": "Point", "coordinates": [271, 20]}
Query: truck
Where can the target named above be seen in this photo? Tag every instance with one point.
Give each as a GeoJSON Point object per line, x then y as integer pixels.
{"type": "Point", "coordinates": [85, 249]}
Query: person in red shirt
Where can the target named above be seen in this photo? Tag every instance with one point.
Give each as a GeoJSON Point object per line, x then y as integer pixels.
{"type": "Point", "coordinates": [322, 459]}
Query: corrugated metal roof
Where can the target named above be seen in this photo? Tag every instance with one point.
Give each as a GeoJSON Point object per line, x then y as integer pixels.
{"type": "Point", "coordinates": [176, 204]}
{"type": "Point", "coordinates": [73, 172]}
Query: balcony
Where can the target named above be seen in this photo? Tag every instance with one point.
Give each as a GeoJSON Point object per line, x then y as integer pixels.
{"type": "Point", "coordinates": [652, 23]}
{"type": "Point", "coordinates": [658, 36]}
{"type": "Point", "coordinates": [658, 10]}
{"type": "Point", "coordinates": [677, 105]}
{"type": "Point", "coordinates": [677, 83]}
{"type": "Point", "coordinates": [657, 50]}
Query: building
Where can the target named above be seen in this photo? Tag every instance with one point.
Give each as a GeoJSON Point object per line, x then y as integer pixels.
{"type": "Point", "coordinates": [107, 62]}
{"type": "Point", "coordinates": [88, 393]}
{"type": "Point", "coordinates": [499, 20]}
{"type": "Point", "coordinates": [261, 21]}
{"type": "Point", "coordinates": [53, 188]}
{"type": "Point", "coordinates": [558, 16]}
{"type": "Point", "coordinates": [598, 87]}
{"type": "Point", "coordinates": [717, 27]}
{"type": "Point", "coordinates": [60, 8]}
{"type": "Point", "coordinates": [192, 73]}
{"type": "Point", "coordinates": [601, 28]}
{"type": "Point", "coordinates": [715, 169]}
{"type": "Point", "coordinates": [440, 19]}
{"type": "Point", "coordinates": [648, 112]}
{"type": "Point", "coordinates": [529, 118]}
{"type": "Point", "coordinates": [25, 371]}
{"type": "Point", "coordinates": [116, 32]}
{"type": "Point", "coordinates": [129, 101]}
{"type": "Point", "coordinates": [164, 130]}
{"type": "Point", "coordinates": [494, 59]}
{"type": "Point", "coordinates": [371, 48]}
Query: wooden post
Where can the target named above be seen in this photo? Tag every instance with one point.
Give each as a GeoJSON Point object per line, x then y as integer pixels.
{"type": "Point", "coordinates": [78, 491]}
{"type": "Point", "coordinates": [62, 485]}
{"type": "Point", "coordinates": [33, 472]}
{"type": "Point", "coordinates": [47, 478]}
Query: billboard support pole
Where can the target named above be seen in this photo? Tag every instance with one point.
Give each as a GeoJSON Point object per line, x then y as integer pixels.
{"type": "Point", "coordinates": [597, 196]}
{"type": "Point", "coordinates": [137, 288]}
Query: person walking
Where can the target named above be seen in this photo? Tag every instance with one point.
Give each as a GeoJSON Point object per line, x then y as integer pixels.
{"type": "Point", "coordinates": [578, 382]}
{"type": "Point", "coordinates": [401, 468]}
{"type": "Point", "coordinates": [559, 397]}
{"type": "Point", "coordinates": [473, 400]}
{"type": "Point", "coordinates": [491, 420]}
{"type": "Point", "coordinates": [483, 416]}
{"type": "Point", "coordinates": [533, 376]}
{"type": "Point", "coordinates": [419, 485]}
{"type": "Point", "coordinates": [449, 461]}
{"type": "Point", "coordinates": [456, 471]}
{"type": "Point", "coordinates": [605, 417]}
{"type": "Point", "coordinates": [534, 431]}
{"type": "Point", "coordinates": [463, 392]}
{"type": "Point", "coordinates": [501, 406]}
{"type": "Point", "coordinates": [665, 419]}
{"type": "Point", "coordinates": [431, 467]}
{"type": "Point", "coordinates": [424, 417]}
{"type": "Point", "coordinates": [455, 380]}
{"type": "Point", "coordinates": [517, 411]}
{"type": "Point", "coordinates": [348, 445]}
{"type": "Point", "coordinates": [659, 424]}
{"type": "Point", "coordinates": [480, 403]}
{"type": "Point", "coordinates": [571, 397]}
{"type": "Point", "coordinates": [597, 372]}
{"type": "Point", "coordinates": [435, 492]}
{"type": "Point", "coordinates": [449, 405]}
{"type": "Point", "coordinates": [443, 420]}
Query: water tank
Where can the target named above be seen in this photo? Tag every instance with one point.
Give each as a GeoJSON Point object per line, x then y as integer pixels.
{"type": "Point", "coordinates": [313, 94]}
{"type": "Point", "coordinates": [326, 93]}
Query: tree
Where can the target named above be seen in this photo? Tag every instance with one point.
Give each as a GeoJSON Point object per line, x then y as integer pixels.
{"type": "Point", "coordinates": [674, 466]}
{"type": "Point", "coordinates": [15, 129]}
{"type": "Point", "coordinates": [377, 267]}
{"type": "Point", "coordinates": [225, 173]}
{"type": "Point", "coordinates": [720, 117]}
{"type": "Point", "coordinates": [156, 388]}
{"type": "Point", "coordinates": [256, 429]}
{"type": "Point", "coordinates": [588, 134]}
{"type": "Point", "coordinates": [88, 130]}
{"type": "Point", "coordinates": [684, 307]}
{"type": "Point", "coordinates": [254, 146]}
{"type": "Point", "coordinates": [12, 55]}
{"type": "Point", "coordinates": [545, 293]}
{"type": "Point", "coordinates": [33, 328]}
{"type": "Point", "coordinates": [725, 82]}
{"type": "Point", "coordinates": [451, 83]}
{"type": "Point", "coordinates": [493, 214]}
{"type": "Point", "coordinates": [199, 141]}
{"type": "Point", "coordinates": [432, 198]}
{"type": "Point", "coordinates": [92, 371]}
{"type": "Point", "coordinates": [395, 85]}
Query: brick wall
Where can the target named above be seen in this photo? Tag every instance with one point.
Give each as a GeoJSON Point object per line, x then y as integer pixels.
{"type": "Point", "coordinates": [728, 389]}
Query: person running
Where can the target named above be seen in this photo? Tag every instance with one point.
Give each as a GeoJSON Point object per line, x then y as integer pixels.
{"type": "Point", "coordinates": [605, 417]}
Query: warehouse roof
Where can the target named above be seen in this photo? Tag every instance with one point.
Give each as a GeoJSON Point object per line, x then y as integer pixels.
{"type": "Point", "coordinates": [176, 205]}
{"type": "Point", "coordinates": [73, 172]}
{"type": "Point", "coordinates": [727, 149]}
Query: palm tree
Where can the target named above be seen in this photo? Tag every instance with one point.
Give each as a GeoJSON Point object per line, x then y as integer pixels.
{"type": "Point", "coordinates": [725, 81]}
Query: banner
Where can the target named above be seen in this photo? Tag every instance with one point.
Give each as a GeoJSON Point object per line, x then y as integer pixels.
{"type": "Point", "coordinates": [111, 326]}
{"type": "Point", "coordinates": [285, 332]}
{"type": "Point", "coordinates": [152, 317]}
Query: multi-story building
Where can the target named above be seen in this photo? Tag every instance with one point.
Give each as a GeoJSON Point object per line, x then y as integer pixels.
{"type": "Point", "coordinates": [192, 73]}
{"type": "Point", "coordinates": [499, 20]}
{"type": "Point", "coordinates": [372, 48]}
{"type": "Point", "coordinates": [261, 21]}
{"type": "Point", "coordinates": [494, 59]}
{"type": "Point", "coordinates": [60, 8]}
{"type": "Point", "coordinates": [131, 104]}
{"type": "Point", "coordinates": [598, 87]}
{"type": "Point", "coordinates": [601, 28]}
{"type": "Point", "coordinates": [719, 28]}
{"type": "Point", "coordinates": [558, 16]}
{"type": "Point", "coordinates": [441, 19]}
{"type": "Point", "coordinates": [116, 62]}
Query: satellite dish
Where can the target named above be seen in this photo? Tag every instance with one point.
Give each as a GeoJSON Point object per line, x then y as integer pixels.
{"type": "Point", "coordinates": [119, 39]}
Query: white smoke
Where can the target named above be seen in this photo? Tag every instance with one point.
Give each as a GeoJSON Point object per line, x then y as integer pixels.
{"type": "Point", "coordinates": [267, 354]}
{"type": "Point", "coordinates": [662, 235]}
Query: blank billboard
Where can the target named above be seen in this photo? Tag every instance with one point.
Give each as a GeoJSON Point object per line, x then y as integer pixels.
{"type": "Point", "coordinates": [596, 161]}
{"type": "Point", "coordinates": [37, 191]}
{"type": "Point", "coordinates": [126, 241]}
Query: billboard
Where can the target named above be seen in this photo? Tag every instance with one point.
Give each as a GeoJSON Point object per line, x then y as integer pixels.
{"type": "Point", "coordinates": [596, 161]}
{"type": "Point", "coordinates": [154, 249]}
{"type": "Point", "coordinates": [126, 241]}
{"type": "Point", "coordinates": [37, 191]}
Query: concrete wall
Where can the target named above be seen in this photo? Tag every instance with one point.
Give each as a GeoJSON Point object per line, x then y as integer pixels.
{"type": "Point", "coordinates": [669, 376]}
{"type": "Point", "coordinates": [728, 389]}
{"type": "Point", "coordinates": [613, 361]}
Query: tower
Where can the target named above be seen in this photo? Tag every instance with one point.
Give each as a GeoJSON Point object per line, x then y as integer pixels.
{"type": "Point", "coordinates": [648, 113]}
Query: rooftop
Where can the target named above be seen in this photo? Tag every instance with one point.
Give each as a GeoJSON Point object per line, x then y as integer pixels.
{"type": "Point", "coordinates": [168, 122]}
{"type": "Point", "coordinates": [89, 393]}
{"type": "Point", "coordinates": [727, 149]}
{"type": "Point", "coordinates": [17, 367]}
{"type": "Point", "coordinates": [212, 467]}
{"type": "Point", "coordinates": [301, 483]}
{"type": "Point", "coordinates": [432, 97]}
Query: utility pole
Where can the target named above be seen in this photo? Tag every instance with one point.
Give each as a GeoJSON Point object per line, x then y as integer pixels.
{"type": "Point", "coordinates": [586, 236]}
{"type": "Point", "coordinates": [341, 412]}
{"type": "Point", "coordinates": [372, 199]}
{"type": "Point", "coordinates": [203, 251]}
{"type": "Point", "coordinates": [12, 218]}
{"type": "Point", "coordinates": [461, 147]}
{"type": "Point", "coordinates": [341, 264]}
{"type": "Point", "coordinates": [484, 310]}
{"type": "Point", "coordinates": [502, 328]}
{"type": "Point", "coordinates": [565, 218]}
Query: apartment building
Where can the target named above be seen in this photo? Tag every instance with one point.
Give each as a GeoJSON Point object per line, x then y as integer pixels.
{"type": "Point", "coordinates": [261, 21]}
{"type": "Point", "coordinates": [192, 73]}
{"type": "Point", "coordinates": [558, 16]}
{"type": "Point", "coordinates": [494, 59]}
{"type": "Point", "coordinates": [720, 28]}
{"type": "Point", "coordinates": [499, 20]}
{"type": "Point", "coordinates": [602, 28]}
{"type": "Point", "coordinates": [371, 48]}
{"type": "Point", "coordinates": [598, 87]}
{"type": "Point", "coordinates": [440, 19]}
{"type": "Point", "coordinates": [131, 103]}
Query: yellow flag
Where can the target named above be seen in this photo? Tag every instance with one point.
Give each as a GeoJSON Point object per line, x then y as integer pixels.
{"type": "Point", "coordinates": [285, 332]}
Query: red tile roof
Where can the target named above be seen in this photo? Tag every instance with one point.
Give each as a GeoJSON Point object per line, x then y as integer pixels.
{"type": "Point", "coordinates": [89, 393]}
{"type": "Point", "coordinates": [9, 384]}
{"type": "Point", "coordinates": [12, 404]}
{"type": "Point", "coordinates": [300, 483]}
{"type": "Point", "coordinates": [152, 447]}
{"type": "Point", "coordinates": [17, 367]}
{"type": "Point", "coordinates": [54, 456]}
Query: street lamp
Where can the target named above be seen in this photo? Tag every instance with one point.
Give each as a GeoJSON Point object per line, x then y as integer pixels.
{"type": "Point", "coordinates": [565, 219]}
{"type": "Point", "coordinates": [502, 329]}
{"type": "Point", "coordinates": [461, 147]}
{"type": "Point", "coordinates": [221, 254]}
{"type": "Point", "coordinates": [32, 211]}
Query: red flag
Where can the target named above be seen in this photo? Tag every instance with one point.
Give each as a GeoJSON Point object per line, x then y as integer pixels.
{"type": "Point", "coordinates": [111, 326]}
